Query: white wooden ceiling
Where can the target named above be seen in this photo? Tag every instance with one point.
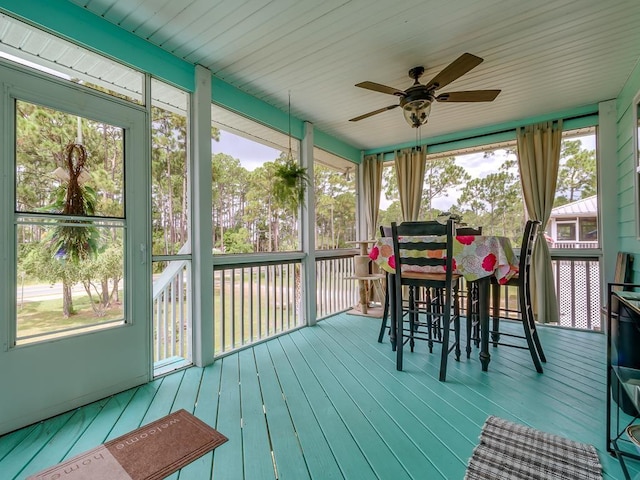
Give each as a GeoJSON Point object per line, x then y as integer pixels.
{"type": "Point", "coordinates": [546, 55]}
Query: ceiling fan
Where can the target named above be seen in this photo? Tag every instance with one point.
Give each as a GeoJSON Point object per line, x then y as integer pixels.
{"type": "Point", "coordinates": [417, 99]}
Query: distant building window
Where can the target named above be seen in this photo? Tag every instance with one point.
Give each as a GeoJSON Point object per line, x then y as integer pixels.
{"type": "Point", "coordinates": [566, 232]}
{"type": "Point", "coordinates": [588, 230]}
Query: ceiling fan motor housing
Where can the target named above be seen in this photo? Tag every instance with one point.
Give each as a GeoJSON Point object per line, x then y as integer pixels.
{"type": "Point", "coordinates": [416, 105]}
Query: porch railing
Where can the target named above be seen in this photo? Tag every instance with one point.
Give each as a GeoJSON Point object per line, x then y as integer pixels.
{"type": "Point", "coordinates": [577, 284]}
{"type": "Point", "coordinates": [575, 245]}
{"type": "Point", "coordinates": [335, 291]}
{"type": "Point", "coordinates": [254, 300]}
{"type": "Point", "coordinates": [171, 312]}
{"type": "Point", "coordinates": [258, 300]}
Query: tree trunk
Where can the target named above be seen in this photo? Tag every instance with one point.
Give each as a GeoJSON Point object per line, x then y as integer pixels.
{"type": "Point", "coordinates": [115, 293]}
{"type": "Point", "coordinates": [105, 292]}
{"type": "Point", "coordinates": [67, 299]}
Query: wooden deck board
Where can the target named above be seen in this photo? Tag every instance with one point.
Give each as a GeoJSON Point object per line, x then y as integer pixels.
{"type": "Point", "coordinates": [164, 398]}
{"type": "Point", "coordinates": [58, 446]}
{"type": "Point", "coordinates": [97, 432]}
{"type": "Point", "coordinates": [132, 416]}
{"type": "Point", "coordinates": [206, 409]}
{"type": "Point", "coordinates": [329, 403]}
{"type": "Point", "coordinates": [344, 448]}
{"type": "Point", "coordinates": [318, 456]}
{"type": "Point", "coordinates": [358, 418]}
{"type": "Point", "coordinates": [288, 455]}
{"type": "Point", "coordinates": [13, 464]}
{"type": "Point", "coordinates": [401, 427]}
{"type": "Point", "coordinates": [256, 448]}
{"type": "Point", "coordinates": [12, 440]}
{"type": "Point", "coordinates": [227, 461]}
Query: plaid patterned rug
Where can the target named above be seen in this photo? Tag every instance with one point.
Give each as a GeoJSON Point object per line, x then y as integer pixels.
{"type": "Point", "coordinates": [508, 451]}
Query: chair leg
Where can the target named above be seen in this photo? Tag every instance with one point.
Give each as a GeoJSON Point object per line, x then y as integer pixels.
{"type": "Point", "coordinates": [413, 314]}
{"type": "Point", "coordinates": [495, 302]}
{"type": "Point", "coordinates": [531, 323]}
{"type": "Point", "coordinates": [533, 351]}
{"type": "Point", "coordinates": [444, 353]}
{"type": "Point", "coordinates": [439, 324]}
{"type": "Point", "coordinates": [394, 320]}
{"type": "Point", "coordinates": [430, 314]}
{"type": "Point", "coordinates": [385, 314]}
{"type": "Point", "coordinates": [399, 340]}
{"type": "Point", "coordinates": [456, 323]}
{"type": "Point", "coordinates": [527, 318]}
{"type": "Point", "coordinates": [536, 340]}
{"type": "Point", "coordinates": [469, 323]}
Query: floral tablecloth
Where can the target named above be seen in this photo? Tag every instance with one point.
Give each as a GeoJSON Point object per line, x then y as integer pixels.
{"type": "Point", "coordinates": [474, 257]}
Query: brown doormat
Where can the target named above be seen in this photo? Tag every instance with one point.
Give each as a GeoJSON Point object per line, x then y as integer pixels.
{"type": "Point", "coordinates": [151, 452]}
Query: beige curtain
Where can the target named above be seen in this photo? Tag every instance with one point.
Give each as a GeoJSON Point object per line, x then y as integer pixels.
{"type": "Point", "coordinates": [539, 160]}
{"type": "Point", "coordinates": [372, 185]}
{"type": "Point", "coordinates": [410, 166]}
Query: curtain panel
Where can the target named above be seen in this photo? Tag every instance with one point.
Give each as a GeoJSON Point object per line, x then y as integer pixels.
{"type": "Point", "coordinates": [539, 148]}
{"type": "Point", "coordinates": [372, 186]}
{"type": "Point", "coordinates": [410, 168]}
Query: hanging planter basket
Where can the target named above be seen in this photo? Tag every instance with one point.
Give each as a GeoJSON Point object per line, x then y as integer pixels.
{"type": "Point", "coordinates": [290, 184]}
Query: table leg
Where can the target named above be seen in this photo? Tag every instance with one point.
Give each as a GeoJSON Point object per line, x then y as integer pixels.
{"type": "Point", "coordinates": [484, 286]}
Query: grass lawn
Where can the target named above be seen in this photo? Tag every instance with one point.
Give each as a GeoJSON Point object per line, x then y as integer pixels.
{"type": "Point", "coordinates": [45, 316]}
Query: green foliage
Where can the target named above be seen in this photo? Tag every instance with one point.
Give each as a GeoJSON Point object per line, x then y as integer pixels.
{"type": "Point", "coordinates": [335, 208]}
{"type": "Point", "coordinates": [238, 241]}
{"type": "Point", "coordinates": [393, 213]}
{"type": "Point", "coordinates": [290, 183]}
{"type": "Point", "coordinates": [68, 242]}
{"type": "Point", "coordinates": [38, 261]}
{"type": "Point", "coordinates": [440, 175]}
{"type": "Point", "coordinates": [577, 176]}
{"type": "Point", "coordinates": [169, 173]}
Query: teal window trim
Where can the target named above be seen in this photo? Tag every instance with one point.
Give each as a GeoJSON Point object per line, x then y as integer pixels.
{"type": "Point", "coordinates": [470, 139]}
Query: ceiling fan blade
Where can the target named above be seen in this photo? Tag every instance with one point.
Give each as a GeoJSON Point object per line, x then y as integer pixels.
{"type": "Point", "coordinates": [377, 87]}
{"type": "Point", "coordinates": [469, 96]}
{"type": "Point", "coordinates": [461, 65]}
{"type": "Point", "coordinates": [375, 112]}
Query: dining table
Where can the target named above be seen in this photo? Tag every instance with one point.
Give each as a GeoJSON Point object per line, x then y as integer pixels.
{"type": "Point", "coordinates": [477, 258]}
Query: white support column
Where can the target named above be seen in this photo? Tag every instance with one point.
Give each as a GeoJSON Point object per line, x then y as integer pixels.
{"type": "Point", "coordinates": [308, 228]}
{"type": "Point", "coordinates": [201, 232]}
{"type": "Point", "coordinates": [607, 159]}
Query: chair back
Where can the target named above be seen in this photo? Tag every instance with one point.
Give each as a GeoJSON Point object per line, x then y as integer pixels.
{"type": "Point", "coordinates": [469, 231]}
{"type": "Point", "coordinates": [385, 231]}
{"type": "Point", "coordinates": [403, 244]}
{"type": "Point", "coordinates": [531, 230]}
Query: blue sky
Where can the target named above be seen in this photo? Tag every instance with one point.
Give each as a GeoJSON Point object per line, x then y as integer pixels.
{"type": "Point", "coordinates": [251, 154]}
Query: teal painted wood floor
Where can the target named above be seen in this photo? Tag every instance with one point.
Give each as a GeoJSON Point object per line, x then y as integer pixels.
{"type": "Point", "coordinates": [326, 402]}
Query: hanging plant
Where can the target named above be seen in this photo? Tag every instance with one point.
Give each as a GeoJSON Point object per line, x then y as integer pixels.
{"type": "Point", "coordinates": [291, 178]}
{"type": "Point", "coordinates": [290, 184]}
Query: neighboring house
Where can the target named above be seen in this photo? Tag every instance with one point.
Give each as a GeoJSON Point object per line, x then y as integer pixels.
{"type": "Point", "coordinates": [575, 225]}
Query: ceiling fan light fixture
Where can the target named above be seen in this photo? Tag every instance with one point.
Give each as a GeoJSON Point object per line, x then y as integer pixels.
{"type": "Point", "coordinates": [416, 112]}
